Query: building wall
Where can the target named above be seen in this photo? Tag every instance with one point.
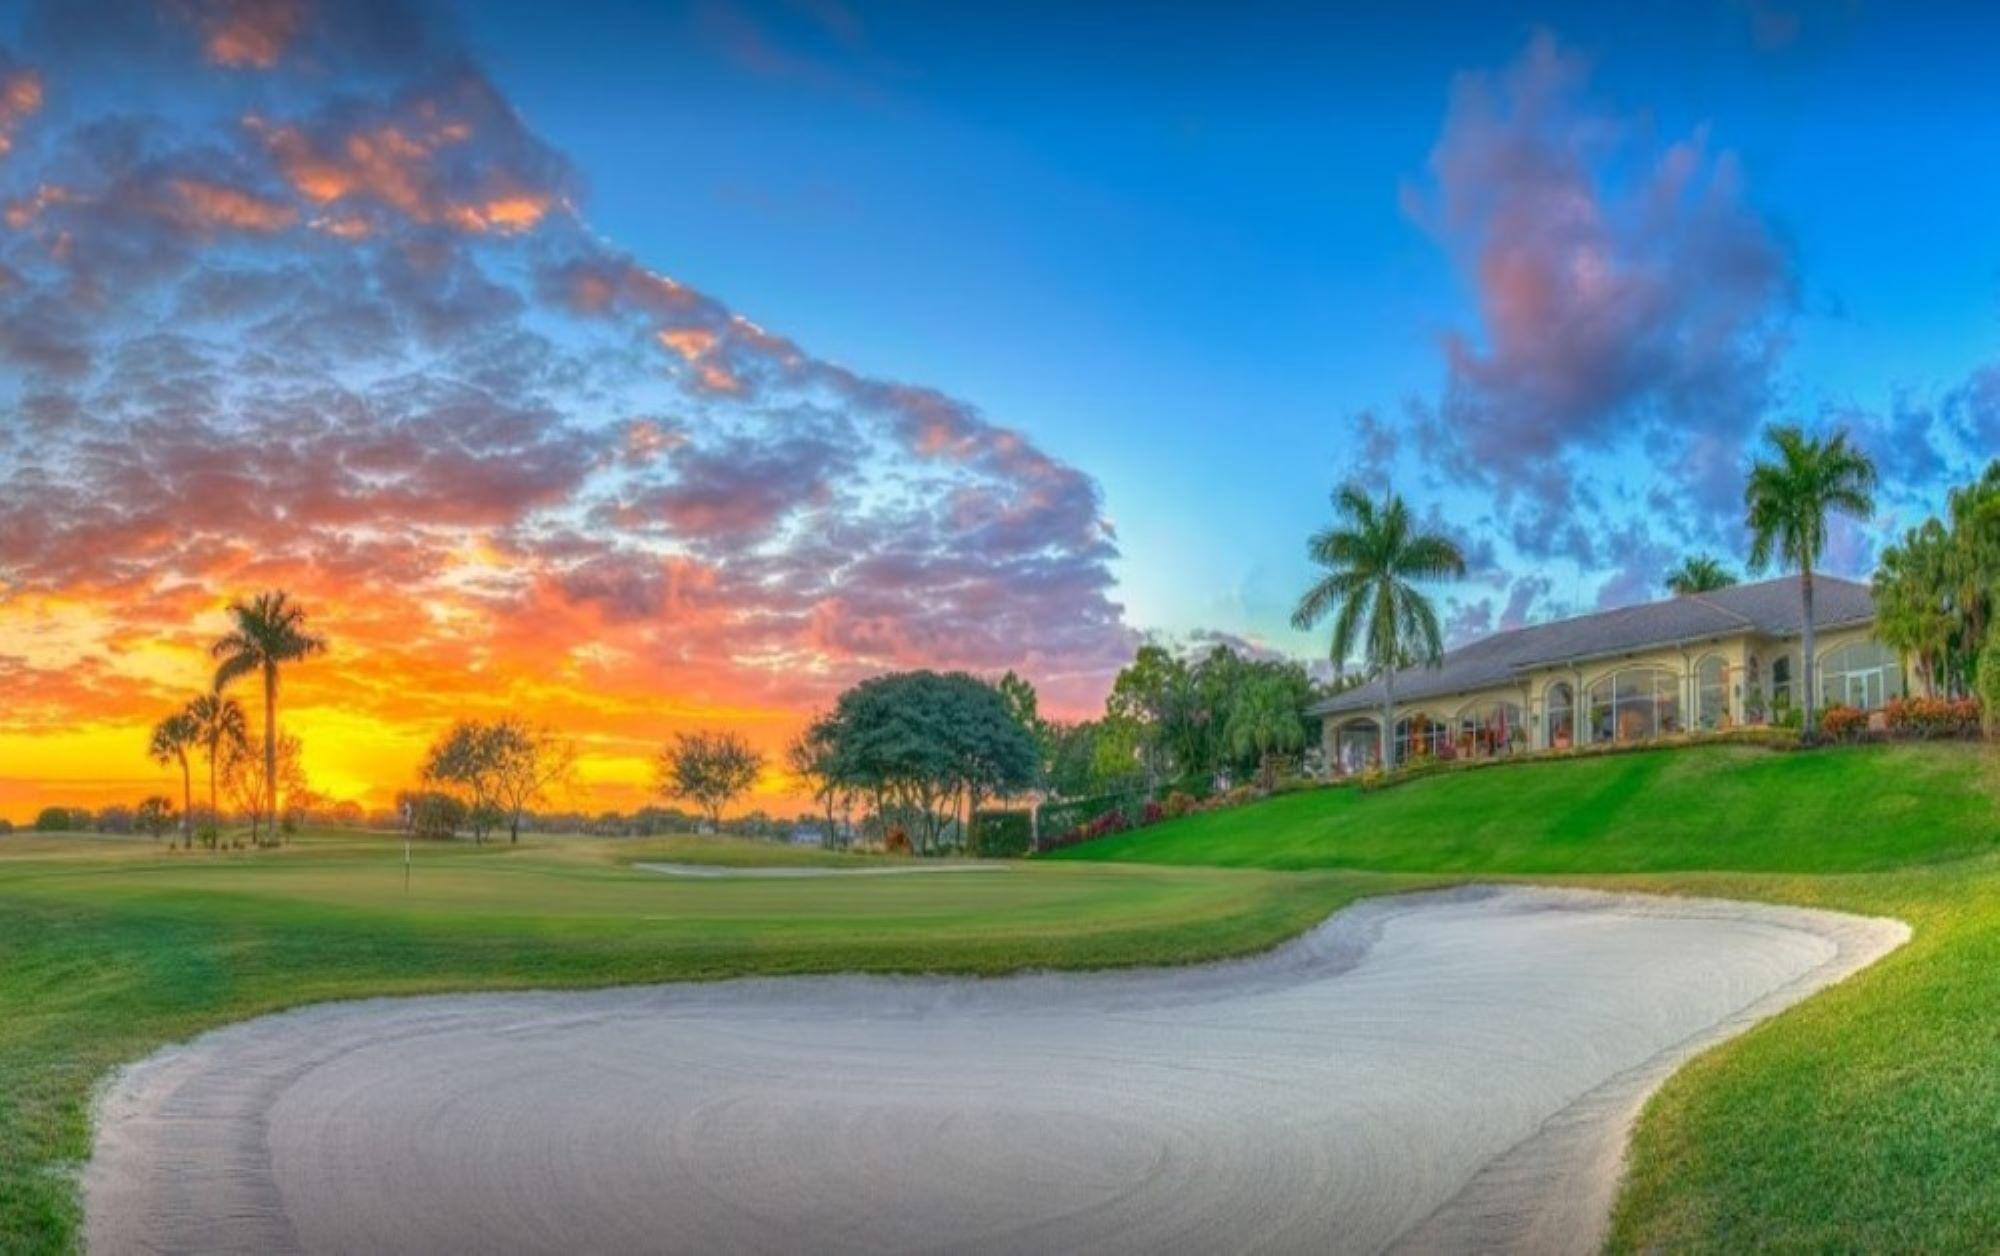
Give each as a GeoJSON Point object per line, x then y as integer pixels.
{"type": "Point", "coordinates": [1747, 663]}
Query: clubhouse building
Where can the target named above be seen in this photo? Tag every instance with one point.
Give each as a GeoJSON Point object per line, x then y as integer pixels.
{"type": "Point", "coordinates": [1706, 661]}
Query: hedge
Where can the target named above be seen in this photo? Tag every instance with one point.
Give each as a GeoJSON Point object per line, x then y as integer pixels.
{"type": "Point", "coordinates": [1002, 834]}
{"type": "Point", "coordinates": [1060, 819]}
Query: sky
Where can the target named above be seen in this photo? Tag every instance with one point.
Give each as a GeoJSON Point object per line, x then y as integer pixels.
{"type": "Point", "coordinates": [643, 367]}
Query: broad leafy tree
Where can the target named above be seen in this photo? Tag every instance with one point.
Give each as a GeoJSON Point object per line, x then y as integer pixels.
{"type": "Point", "coordinates": [1156, 695]}
{"type": "Point", "coordinates": [155, 815]}
{"type": "Point", "coordinates": [709, 769]}
{"type": "Point", "coordinates": [928, 747]}
{"type": "Point", "coordinates": [1374, 556]}
{"type": "Point", "coordinates": [1699, 573]}
{"type": "Point", "coordinates": [500, 768]}
{"type": "Point", "coordinates": [172, 738]}
{"type": "Point", "coordinates": [269, 633]}
{"type": "Point", "coordinates": [1791, 499]}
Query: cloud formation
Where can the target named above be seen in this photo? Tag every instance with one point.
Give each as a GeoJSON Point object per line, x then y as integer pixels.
{"type": "Point", "coordinates": [1623, 286]}
{"type": "Point", "coordinates": [349, 333]}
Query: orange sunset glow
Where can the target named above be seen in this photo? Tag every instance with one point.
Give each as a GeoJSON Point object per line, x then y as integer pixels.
{"type": "Point", "coordinates": [364, 347]}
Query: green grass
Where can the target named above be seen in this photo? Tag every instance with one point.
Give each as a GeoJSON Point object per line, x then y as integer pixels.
{"type": "Point", "coordinates": [110, 948]}
{"type": "Point", "coordinates": [1707, 808]}
{"type": "Point", "coordinates": [1865, 1119]}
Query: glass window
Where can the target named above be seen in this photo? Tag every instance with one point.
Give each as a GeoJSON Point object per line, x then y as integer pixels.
{"type": "Point", "coordinates": [1357, 746]}
{"type": "Point", "coordinates": [1712, 692]}
{"type": "Point", "coordinates": [1490, 729]}
{"type": "Point", "coordinates": [1419, 736]}
{"type": "Point", "coordinates": [1635, 704]}
{"type": "Point", "coordinates": [1781, 684]}
{"type": "Point", "coordinates": [1863, 674]}
{"type": "Point", "coordinates": [1560, 712]}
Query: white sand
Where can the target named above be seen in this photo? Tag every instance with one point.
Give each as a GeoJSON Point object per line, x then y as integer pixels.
{"type": "Point", "coordinates": [786, 872]}
{"type": "Point", "coordinates": [1444, 1071]}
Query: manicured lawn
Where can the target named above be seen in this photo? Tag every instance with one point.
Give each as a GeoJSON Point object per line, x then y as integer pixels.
{"type": "Point", "coordinates": [1733, 808]}
{"type": "Point", "coordinates": [1865, 1119]}
{"type": "Point", "coordinates": [109, 949]}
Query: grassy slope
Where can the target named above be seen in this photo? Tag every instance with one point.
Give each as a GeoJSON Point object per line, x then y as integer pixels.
{"type": "Point", "coordinates": [1867, 1118]}
{"type": "Point", "coordinates": [109, 949]}
{"type": "Point", "coordinates": [1739, 809]}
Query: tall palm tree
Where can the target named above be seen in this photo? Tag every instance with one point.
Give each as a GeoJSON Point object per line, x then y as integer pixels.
{"type": "Point", "coordinates": [1699, 573]}
{"type": "Point", "coordinates": [269, 633]}
{"type": "Point", "coordinates": [172, 737]}
{"type": "Point", "coordinates": [1374, 555]}
{"type": "Point", "coordinates": [218, 721]}
{"type": "Point", "coordinates": [1787, 503]}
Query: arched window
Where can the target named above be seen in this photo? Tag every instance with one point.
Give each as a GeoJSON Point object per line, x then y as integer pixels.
{"type": "Point", "coordinates": [1419, 736]}
{"type": "Point", "coordinates": [1635, 704]}
{"type": "Point", "coordinates": [1862, 674]}
{"type": "Point", "coordinates": [1559, 712]}
{"type": "Point", "coordinates": [1357, 746]}
{"type": "Point", "coordinates": [1781, 685]}
{"type": "Point", "coordinates": [1491, 728]}
{"type": "Point", "coordinates": [1711, 692]}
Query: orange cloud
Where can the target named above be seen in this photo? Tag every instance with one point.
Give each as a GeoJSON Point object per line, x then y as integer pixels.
{"type": "Point", "coordinates": [218, 205]}
{"type": "Point", "coordinates": [251, 33]}
{"type": "Point", "coordinates": [20, 99]}
{"type": "Point", "coordinates": [454, 157]}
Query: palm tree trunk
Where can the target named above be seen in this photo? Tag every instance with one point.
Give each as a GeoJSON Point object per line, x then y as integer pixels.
{"type": "Point", "coordinates": [187, 801]}
{"type": "Point", "coordinates": [214, 815]}
{"type": "Point", "coordinates": [1388, 717]}
{"type": "Point", "coordinates": [1806, 671]}
{"type": "Point", "coordinates": [271, 744]}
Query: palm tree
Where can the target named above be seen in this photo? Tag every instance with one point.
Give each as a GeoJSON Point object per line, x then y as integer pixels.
{"type": "Point", "coordinates": [1699, 573]}
{"type": "Point", "coordinates": [171, 738]}
{"type": "Point", "coordinates": [1915, 612]}
{"type": "Point", "coordinates": [269, 633]}
{"type": "Point", "coordinates": [217, 720]}
{"type": "Point", "coordinates": [1373, 555]}
{"type": "Point", "coordinates": [1788, 501]}
{"type": "Point", "coordinates": [1264, 720]}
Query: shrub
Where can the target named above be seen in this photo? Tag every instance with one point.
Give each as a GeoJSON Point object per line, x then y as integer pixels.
{"type": "Point", "coordinates": [897, 842]}
{"type": "Point", "coordinates": [1002, 834]}
{"type": "Point", "coordinates": [1929, 718]}
{"type": "Point", "coordinates": [1843, 723]}
{"type": "Point", "coordinates": [6, 827]}
{"type": "Point", "coordinates": [1059, 820]}
{"type": "Point", "coordinates": [53, 820]}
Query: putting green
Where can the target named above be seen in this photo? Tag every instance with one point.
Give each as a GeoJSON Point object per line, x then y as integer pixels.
{"type": "Point", "coordinates": [113, 947]}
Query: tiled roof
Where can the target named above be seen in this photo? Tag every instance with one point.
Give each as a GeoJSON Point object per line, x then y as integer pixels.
{"type": "Point", "coordinates": [1769, 607]}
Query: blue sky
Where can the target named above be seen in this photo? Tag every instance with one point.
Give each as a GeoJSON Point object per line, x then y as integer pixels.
{"type": "Point", "coordinates": [1168, 241]}
{"type": "Point", "coordinates": [652, 367]}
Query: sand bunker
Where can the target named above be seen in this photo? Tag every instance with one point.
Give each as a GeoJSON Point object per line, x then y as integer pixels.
{"type": "Point", "coordinates": [1442, 1071]}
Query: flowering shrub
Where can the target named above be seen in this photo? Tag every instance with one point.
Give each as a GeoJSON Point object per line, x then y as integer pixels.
{"type": "Point", "coordinates": [1843, 723]}
{"type": "Point", "coordinates": [1152, 814]}
{"type": "Point", "coordinates": [1179, 804]}
{"type": "Point", "coordinates": [1933, 717]}
{"type": "Point", "coordinates": [1112, 821]}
